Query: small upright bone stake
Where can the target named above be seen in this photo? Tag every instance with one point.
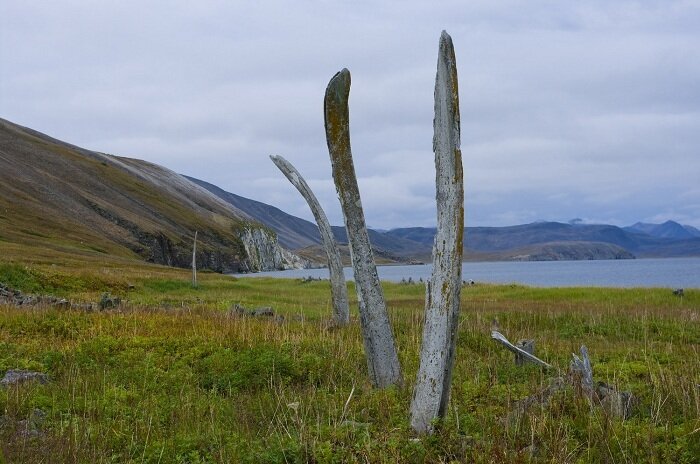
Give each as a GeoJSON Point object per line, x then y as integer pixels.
{"type": "Point", "coordinates": [194, 260]}
{"type": "Point", "coordinates": [380, 349]}
{"type": "Point", "coordinates": [339, 292]}
{"type": "Point", "coordinates": [432, 391]}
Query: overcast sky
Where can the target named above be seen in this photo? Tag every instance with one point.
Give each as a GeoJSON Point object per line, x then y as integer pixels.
{"type": "Point", "coordinates": [569, 109]}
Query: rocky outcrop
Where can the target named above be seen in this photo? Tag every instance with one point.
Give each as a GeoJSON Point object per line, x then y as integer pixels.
{"type": "Point", "coordinates": [216, 252]}
{"type": "Point", "coordinates": [16, 376]}
{"type": "Point", "coordinates": [263, 252]}
{"type": "Point", "coordinates": [255, 250]}
{"type": "Point", "coordinates": [15, 297]}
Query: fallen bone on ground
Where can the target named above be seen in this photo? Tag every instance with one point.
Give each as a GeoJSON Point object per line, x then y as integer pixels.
{"type": "Point", "coordinates": [520, 353]}
{"type": "Point", "coordinates": [619, 404]}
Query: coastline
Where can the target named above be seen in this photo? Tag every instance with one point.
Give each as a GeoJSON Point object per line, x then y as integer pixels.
{"type": "Point", "coordinates": [642, 272]}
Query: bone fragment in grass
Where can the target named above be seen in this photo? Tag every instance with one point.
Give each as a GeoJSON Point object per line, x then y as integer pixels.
{"type": "Point", "coordinates": [581, 367]}
{"type": "Point", "coordinates": [500, 338]}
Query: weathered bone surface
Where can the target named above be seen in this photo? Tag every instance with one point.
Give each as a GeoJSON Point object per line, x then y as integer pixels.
{"type": "Point", "coordinates": [619, 404]}
{"type": "Point", "coordinates": [500, 338]}
{"type": "Point", "coordinates": [380, 349]}
{"type": "Point", "coordinates": [194, 260]}
{"type": "Point", "coordinates": [339, 291]}
{"type": "Point", "coordinates": [581, 367]}
{"type": "Point", "coordinates": [432, 391]}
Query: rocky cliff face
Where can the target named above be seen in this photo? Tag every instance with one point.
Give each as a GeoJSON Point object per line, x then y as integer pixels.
{"type": "Point", "coordinates": [225, 257]}
{"type": "Point", "coordinates": [254, 250]}
{"type": "Point", "coordinates": [265, 254]}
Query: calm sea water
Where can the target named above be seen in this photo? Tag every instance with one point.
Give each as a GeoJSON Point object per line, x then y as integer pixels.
{"type": "Point", "coordinates": [671, 273]}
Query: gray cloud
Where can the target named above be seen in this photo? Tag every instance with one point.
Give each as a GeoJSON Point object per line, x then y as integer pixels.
{"type": "Point", "coordinates": [569, 109]}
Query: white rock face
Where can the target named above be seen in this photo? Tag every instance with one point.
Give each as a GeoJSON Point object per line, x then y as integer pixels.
{"type": "Point", "coordinates": [265, 254]}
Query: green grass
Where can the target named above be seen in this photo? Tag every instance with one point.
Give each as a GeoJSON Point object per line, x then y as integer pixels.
{"type": "Point", "coordinates": [171, 377]}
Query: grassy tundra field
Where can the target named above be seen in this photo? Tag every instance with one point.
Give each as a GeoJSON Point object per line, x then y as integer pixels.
{"type": "Point", "coordinates": [172, 376]}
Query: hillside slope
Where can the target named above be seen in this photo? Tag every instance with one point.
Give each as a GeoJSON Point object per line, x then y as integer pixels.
{"type": "Point", "coordinates": [59, 197]}
{"type": "Point", "coordinates": [292, 232]}
{"type": "Point", "coordinates": [299, 234]}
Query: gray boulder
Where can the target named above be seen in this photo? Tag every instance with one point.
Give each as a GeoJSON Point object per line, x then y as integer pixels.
{"type": "Point", "coordinates": [15, 376]}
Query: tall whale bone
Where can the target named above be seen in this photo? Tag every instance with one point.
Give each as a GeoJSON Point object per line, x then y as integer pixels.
{"type": "Point", "coordinates": [339, 291]}
{"type": "Point", "coordinates": [442, 300]}
{"type": "Point", "coordinates": [380, 348]}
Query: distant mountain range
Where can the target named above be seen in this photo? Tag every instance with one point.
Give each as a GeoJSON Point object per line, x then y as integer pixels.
{"type": "Point", "coordinates": [537, 241]}
{"type": "Point", "coordinates": [627, 242]}
{"type": "Point", "coordinates": [669, 229]}
{"type": "Point", "coordinates": [59, 201]}
{"type": "Point", "coordinates": [303, 238]}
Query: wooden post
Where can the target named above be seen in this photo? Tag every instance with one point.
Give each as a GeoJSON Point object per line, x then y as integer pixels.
{"type": "Point", "coordinates": [442, 301]}
{"type": "Point", "coordinates": [339, 291]}
{"type": "Point", "coordinates": [380, 349]}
